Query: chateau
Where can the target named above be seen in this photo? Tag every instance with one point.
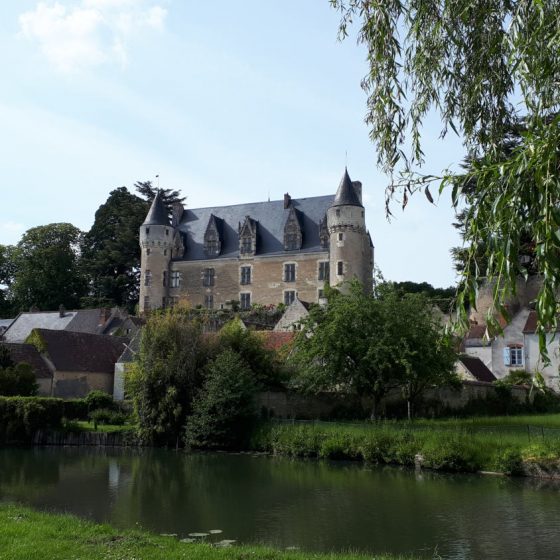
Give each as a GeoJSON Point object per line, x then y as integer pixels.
{"type": "Point", "coordinates": [264, 252]}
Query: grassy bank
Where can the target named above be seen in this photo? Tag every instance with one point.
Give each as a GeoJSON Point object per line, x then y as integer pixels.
{"type": "Point", "coordinates": [26, 534]}
{"type": "Point", "coordinates": [500, 445]}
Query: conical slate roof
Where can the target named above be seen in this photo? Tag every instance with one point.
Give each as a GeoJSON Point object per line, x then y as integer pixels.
{"type": "Point", "coordinates": [157, 216]}
{"type": "Point", "coordinates": [346, 194]}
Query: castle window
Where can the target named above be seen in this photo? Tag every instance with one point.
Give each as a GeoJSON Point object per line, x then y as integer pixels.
{"type": "Point", "coordinates": [289, 297]}
{"type": "Point", "coordinates": [340, 268]}
{"type": "Point", "coordinates": [164, 278]}
{"type": "Point", "coordinates": [291, 242]}
{"type": "Point", "coordinates": [324, 270]}
{"type": "Point", "coordinates": [513, 355]}
{"type": "Point", "coordinates": [147, 231]}
{"type": "Point", "coordinates": [165, 252]}
{"type": "Point", "coordinates": [246, 245]}
{"type": "Point", "coordinates": [341, 237]}
{"type": "Point", "coordinates": [245, 275]}
{"type": "Point", "coordinates": [324, 233]}
{"type": "Point", "coordinates": [245, 299]}
{"type": "Point", "coordinates": [292, 231]}
{"type": "Point", "coordinates": [146, 303]}
{"type": "Point", "coordinates": [208, 277]}
{"type": "Point", "coordinates": [338, 212]}
{"type": "Point", "coordinates": [148, 278]}
{"type": "Point", "coordinates": [212, 236]}
{"type": "Point", "coordinates": [148, 251]}
{"type": "Point", "coordinates": [321, 295]}
{"type": "Point", "coordinates": [175, 279]}
{"type": "Point", "coordinates": [166, 232]}
{"type": "Point", "coordinates": [209, 301]}
{"type": "Point", "coordinates": [290, 272]}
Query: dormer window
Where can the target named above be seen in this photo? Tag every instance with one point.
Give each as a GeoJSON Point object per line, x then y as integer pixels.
{"type": "Point", "coordinates": [248, 237]}
{"type": "Point", "coordinates": [292, 231]}
{"type": "Point", "coordinates": [213, 237]}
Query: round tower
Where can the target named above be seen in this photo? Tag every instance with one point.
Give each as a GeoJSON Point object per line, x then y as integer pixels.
{"type": "Point", "coordinates": [156, 242]}
{"type": "Point", "coordinates": [351, 251]}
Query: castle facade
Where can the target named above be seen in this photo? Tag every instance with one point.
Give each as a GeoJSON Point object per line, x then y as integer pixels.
{"type": "Point", "coordinates": [265, 252]}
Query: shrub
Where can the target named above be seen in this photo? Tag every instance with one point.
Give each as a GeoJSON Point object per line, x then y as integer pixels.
{"type": "Point", "coordinates": [96, 400]}
{"type": "Point", "coordinates": [453, 454]}
{"type": "Point", "coordinates": [224, 409]}
{"type": "Point", "coordinates": [22, 417]}
{"type": "Point", "coordinates": [18, 380]}
{"type": "Point", "coordinates": [509, 461]}
{"type": "Point", "coordinates": [76, 409]}
{"type": "Point", "coordinates": [106, 416]}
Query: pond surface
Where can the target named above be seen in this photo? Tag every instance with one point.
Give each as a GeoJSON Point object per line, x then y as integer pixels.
{"type": "Point", "coordinates": [312, 505]}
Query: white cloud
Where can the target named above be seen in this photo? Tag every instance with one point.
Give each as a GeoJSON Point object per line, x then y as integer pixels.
{"type": "Point", "coordinates": [91, 33]}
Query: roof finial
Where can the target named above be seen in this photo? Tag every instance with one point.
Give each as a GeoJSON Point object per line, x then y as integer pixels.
{"type": "Point", "coordinates": [157, 177]}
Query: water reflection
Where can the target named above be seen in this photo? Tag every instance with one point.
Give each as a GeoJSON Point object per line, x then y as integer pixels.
{"type": "Point", "coordinates": [313, 505]}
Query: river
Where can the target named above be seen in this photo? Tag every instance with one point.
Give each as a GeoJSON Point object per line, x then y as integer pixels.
{"type": "Point", "coordinates": [311, 505]}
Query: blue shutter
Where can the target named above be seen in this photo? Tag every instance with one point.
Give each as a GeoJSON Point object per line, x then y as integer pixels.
{"type": "Point", "coordinates": [507, 359]}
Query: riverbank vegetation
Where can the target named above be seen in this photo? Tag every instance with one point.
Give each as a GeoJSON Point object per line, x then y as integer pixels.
{"type": "Point", "coordinates": [29, 534]}
{"type": "Point", "coordinates": [455, 446]}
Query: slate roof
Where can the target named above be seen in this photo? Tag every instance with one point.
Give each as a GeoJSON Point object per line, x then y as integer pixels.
{"type": "Point", "coordinates": [26, 322]}
{"type": "Point", "coordinates": [476, 367]}
{"type": "Point", "coordinates": [30, 355]}
{"type": "Point", "coordinates": [82, 352]}
{"type": "Point", "coordinates": [271, 217]}
{"type": "Point", "coordinates": [157, 216]}
{"type": "Point", "coordinates": [346, 194]}
{"type": "Point", "coordinates": [5, 323]}
{"type": "Point", "coordinates": [86, 320]}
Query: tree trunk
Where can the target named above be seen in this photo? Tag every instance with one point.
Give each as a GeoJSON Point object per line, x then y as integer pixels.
{"type": "Point", "coordinates": [409, 409]}
{"type": "Point", "coordinates": [373, 415]}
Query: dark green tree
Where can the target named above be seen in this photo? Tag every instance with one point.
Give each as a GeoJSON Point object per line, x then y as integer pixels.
{"type": "Point", "coordinates": [47, 272]}
{"type": "Point", "coordinates": [481, 66]}
{"type": "Point", "coordinates": [111, 251]}
{"type": "Point", "coordinates": [7, 272]}
{"type": "Point", "coordinates": [18, 380]}
{"type": "Point", "coordinates": [224, 409]}
{"type": "Point", "coordinates": [367, 346]}
{"type": "Point", "coordinates": [443, 298]}
{"type": "Point", "coordinates": [5, 358]}
{"type": "Point", "coordinates": [166, 375]}
{"type": "Point", "coordinates": [148, 191]}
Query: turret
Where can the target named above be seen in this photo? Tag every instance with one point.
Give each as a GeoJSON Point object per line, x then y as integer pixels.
{"type": "Point", "coordinates": [156, 242]}
{"type": "Point", "coordinates": [351, 251]}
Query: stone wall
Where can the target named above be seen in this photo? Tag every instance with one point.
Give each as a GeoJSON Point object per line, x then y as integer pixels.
{"type": "Point", "coordinates": [332, 405]}
{"type": "Point", "coordinates": [267, 279]}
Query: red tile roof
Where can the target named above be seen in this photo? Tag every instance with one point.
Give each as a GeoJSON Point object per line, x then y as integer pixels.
{"type": "Point", "coordinates": [274, 340]}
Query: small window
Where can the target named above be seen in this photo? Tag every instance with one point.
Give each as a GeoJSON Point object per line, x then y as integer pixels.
{"type": "Point", "coordinates": [208, 277]}
{"type": "Point", "coordinates": [341, 237]}
{"type": "Point", "coordinates": [513, 356]}
{"type": "Point", "coordinates": [245, 275]}
{"type": "Point", "coordinates": [324, 270]}
{"type": "Point", "coordinates": [148, 278]}
{"type": "Point", "coordinates": [289, 297]}
{"type": "Point", "coordinates": [175, 279]}
{"type": "Point", "coordinates": [148, 251]}
{"type": "Point", "coordinates": [165, 252]}
{"type": "Point", "coordinates": [321, 295]}
{"type": "Point", "coordinates": [146, 303]}
{"type": "Point", "coordinates": [340, 268]}
{"type": "Point", "coordinates": [166, 232]}
{"type": "Point", "coordinates": [209, 301]}
{"type": "Point", "coordinates": [147, 231]}
{"type": "Point", "coordinates": [338, 212]}
{"type": "Point", "coordinates": [245, 299]}
{"type": "Point", "coordinates": [164, 278]}
{"type": "Point", "coordinates": [290, 272]}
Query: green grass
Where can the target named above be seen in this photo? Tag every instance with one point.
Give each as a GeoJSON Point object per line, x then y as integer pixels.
{"type": "Point", "coordinates": [484, 444]}
{"type": "Point", "coordinates": [29, 535]}
{"type": "Point", "coordinates": [86, 426]}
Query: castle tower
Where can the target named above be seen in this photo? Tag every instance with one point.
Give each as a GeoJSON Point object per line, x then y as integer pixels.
{"type": "Point", "coordinates": [351, 251]}
{"type": "Point", "coordinates": [156, 242]}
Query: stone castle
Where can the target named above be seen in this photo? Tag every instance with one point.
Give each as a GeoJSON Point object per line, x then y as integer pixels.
{"type": "Point", "coordinates": [264, 252]}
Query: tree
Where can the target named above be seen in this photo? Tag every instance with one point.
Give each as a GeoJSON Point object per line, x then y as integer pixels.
{"type": "Point", "coordinates": [7, 272]}
{"type": "Point", "coordinates": [166, 375]}
{"type": "Point", "coordinates": [111, 251]}
{"type": "Point", "coordinates": [481, 66]}
{"type": "Point", "coordinates": [46, 264]}
{"type": "Point", "coordinates": [443, 298]}
{"type": "Point", "coordinates": [18, 380]}
{"type": "Point", "coordinates": [364, 345]}
{"type": "Point", "coordinates": [224, 409]}
{"type": "Point", "coordinates": [148, 191]}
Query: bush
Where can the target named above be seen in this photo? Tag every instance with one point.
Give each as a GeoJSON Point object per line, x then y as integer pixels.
{"type": "Point", "coordinates": [106, 416]}
{"type": "Point", "coordinates": [76, 409]}
{"type": "Point", "coordinates": [509, 461]}
{"type": "Point", "coordinates": [18, 380]}
{"type": "Point", "coordinates": [224, 409]}
{"type": "Point", "coordinates": [453, 454]}
{"type": "Point", "coordinates": [96, 400]}
{"type": "Point", "coordinates": [22, 417]}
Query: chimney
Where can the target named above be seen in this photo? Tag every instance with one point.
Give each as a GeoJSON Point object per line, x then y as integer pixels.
{"type": "Point", "coordinates": [358, 190]}
{"type": "Point", "coordinates": [104, 314]}
{"type": "Point", "coordinates": [287, 200]}
{"type": "Point", "coordinates": [61, 311]}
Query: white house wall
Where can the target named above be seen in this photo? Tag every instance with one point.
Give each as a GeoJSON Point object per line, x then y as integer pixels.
{"type": "Point", "coordinates": [534, 362]}
{"type": "Point", "coordinates": [513, 334]}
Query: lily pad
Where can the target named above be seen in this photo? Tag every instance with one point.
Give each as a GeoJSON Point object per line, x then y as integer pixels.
{"type": "Point", "coordinates": [188, 540]}
{"type": "Point", "coordinates": [198, 535]}
{"type": "Point", "coordinates": [215, 531]}
{"type": "Point", "coordinates": [168, 534]}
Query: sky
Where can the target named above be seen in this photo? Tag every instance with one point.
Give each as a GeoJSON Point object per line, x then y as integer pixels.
{"type": "Point", "coordinates": [229, 102]}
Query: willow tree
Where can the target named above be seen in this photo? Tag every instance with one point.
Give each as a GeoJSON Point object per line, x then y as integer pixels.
{"type": "Point", "coordinates": [481, 66]}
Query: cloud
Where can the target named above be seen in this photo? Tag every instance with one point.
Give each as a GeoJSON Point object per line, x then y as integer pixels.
{"type": "Point", "coordinates": [92, 33]}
